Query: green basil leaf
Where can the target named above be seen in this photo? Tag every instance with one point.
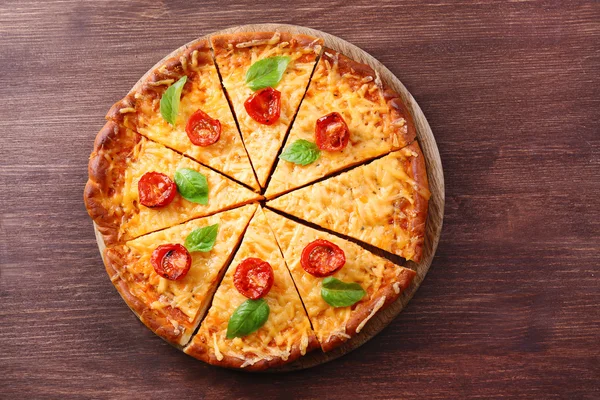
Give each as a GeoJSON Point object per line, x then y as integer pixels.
{"type": "Point", "coordinates": [192, 185]}
{"type": "Point", "coordinates": [247, 318]}
{"type": "Point", "coordinates": [202, 239]}
{"type": "Point", "coordinates": [266, 72]}
{"type": "Point", "coordinates": [301, 152]}
{"type": "Point", "coordinates": [340, 294]}
{"type": "Point", "coordinates": [169, 102]}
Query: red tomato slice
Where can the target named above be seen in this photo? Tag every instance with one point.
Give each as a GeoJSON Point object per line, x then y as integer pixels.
{"type": "Point", "coordinates": [264, 106]}
{"type": "Point", "coordinates": [331, 132]}
{"type": "Point", "coordinates": [156, 189]}
{"type": "Point", "coordinates": [253, 278]}
{"type": "Point", "coordinates": [202, 129]}
{"type": "Point", "coordinates": [171, 261]}
{"type": "Point", "coordinates": [322, 258]}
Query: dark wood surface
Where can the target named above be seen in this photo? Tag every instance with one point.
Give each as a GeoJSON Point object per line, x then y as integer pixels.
{"type": "Point", "coordinates": [510, 304]}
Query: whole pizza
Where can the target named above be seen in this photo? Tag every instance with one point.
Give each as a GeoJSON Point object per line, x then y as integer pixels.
{"type": "Point", "coordinates": [238, 187]}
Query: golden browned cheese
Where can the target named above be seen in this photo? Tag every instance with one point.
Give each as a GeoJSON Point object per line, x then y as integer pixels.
{"type": "Point", "coordinates": [202, 92]}
{"type": "Point", "coordinates": [379, 203]}
{"type": "Point", "coordinates": [374, 274]}
{"type": "Point", "coordinates": [190, 296]}
{"type": "Point", "coordinates": [359, 98]}
{"type": "Point", "coordinates": [264, 141]}
{"type": "Point", "coordinates": [148, 156]}
{"type": "Point", "coordinates": [287, 327]}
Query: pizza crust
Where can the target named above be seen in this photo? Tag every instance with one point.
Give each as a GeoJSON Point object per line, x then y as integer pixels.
{"type": "Point", "coordinates": [241, 40]}
{"type": "Point", "coordinates": [112, 147]}
{"type": "Point", "coordinates": [418, 172]}
{"type": "Point", "coordinates": [363, 313]}
{"type": "Point", "coordinates": [202, 353]}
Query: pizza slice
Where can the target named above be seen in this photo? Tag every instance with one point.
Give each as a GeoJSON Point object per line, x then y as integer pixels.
{"type": "Point", "coordinates": [256, 320]}
{"type": "Point", "coordinates": [341, 284]}
{"type": "Point", "coordinates": [137, 186]}
{"type": "Point", "coordinates": [383, 203]}
{"type": "Point", "coordinates": [181, 104]}
{"type": "Point", "coordinates": [265, 75]}
{"type": "Point", "coordinates": [168, 277]}
{"type": "Point", "coordinates": [348, 116]}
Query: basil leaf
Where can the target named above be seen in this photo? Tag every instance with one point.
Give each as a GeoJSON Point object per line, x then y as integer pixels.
{"type": "Point", "coordinates": [202, 239]}
{"type": "Point", "coordinates": [192, 185]}
{"type": "Point", "coordinates": [301, 152]}
{"type": "Point", "coordinates": [247, 318]}
{"type": "Point", "coordinates": [169, 102]}
{"type": "Point", "coordinates": [266, 72]}
{"type": "Point", "coordinates": [340, 294]}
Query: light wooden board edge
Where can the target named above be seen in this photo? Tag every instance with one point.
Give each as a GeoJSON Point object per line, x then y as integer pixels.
{"type": "Point", "coordinates": [434, 173]}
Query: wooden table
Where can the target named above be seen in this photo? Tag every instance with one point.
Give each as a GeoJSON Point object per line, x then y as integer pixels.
{"type": "Point", "coordinates": [510, 305]}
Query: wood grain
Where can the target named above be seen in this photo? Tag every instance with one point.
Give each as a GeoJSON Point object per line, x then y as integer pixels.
{"type": "Point", "coordinates": [509, 306]}
{"type": "Point", "coordinates": [434, 171]}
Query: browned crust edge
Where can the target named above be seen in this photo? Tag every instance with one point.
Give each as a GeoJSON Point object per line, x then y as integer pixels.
{"type": "Point", "coordinates": [418, 172]}
{"type": "Point", "coordinates": [221, 42]}
{"type": "Point", "coordinates": [203, 353]}
{"type": "Point", "coordinates": [157, 322]}
{"type": "Point", "coordinates": [112, 147]}
{"type": "Point", "coordinates": [364, 309]}
{"type": "Point", "coordinates": [398, 109]}
{"type": "Point", "coordinates": [171, 68]}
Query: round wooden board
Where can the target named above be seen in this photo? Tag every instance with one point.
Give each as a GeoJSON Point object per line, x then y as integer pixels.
{"type": "Point", "coordinates": [434, 173]}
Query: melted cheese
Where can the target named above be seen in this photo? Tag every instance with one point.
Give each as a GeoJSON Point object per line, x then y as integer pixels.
{"type": "Point", "coordinates": [362, 267]}
{"type": "Point", "coordinates": [264, 141]}
{"type": "Point", "coordinates": [191, 294]}
{"type": "Point", "coordinates": [372, 132]}
{"type": "Point", "coordinates": [373, 203]}
{"type": "Point", "coordinates": [203, 92]}
{"type": "Point", "coordinates": [287, 327]}
{"type": "Point", "coordinates": [149, 156]}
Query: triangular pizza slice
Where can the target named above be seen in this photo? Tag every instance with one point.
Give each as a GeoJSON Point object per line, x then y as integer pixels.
{"type": "Point", "coordinates": [348, 116]}
{"type": "Point", "coordinates": [341, 284]}
{"type": "Point", "coordinates": [265, 75]}
{"type": "Point", "coordinates": [137, 186]}
{"type": "Point", "coordinates": [383, 203]}
{"type": "Point", "coordinates": [275, 329]}
{"type": "Point", "coordinates": [192, 117]}
{"type": "Point", "coordinates": [168, 277]}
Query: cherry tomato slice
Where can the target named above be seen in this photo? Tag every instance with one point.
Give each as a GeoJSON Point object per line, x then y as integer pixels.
{"type": "Point", "coordinates": [322, 258]}
{"type": "Point", "coordinates": [264, 106]}
{"type": "Point", "coordinates": [253, 278]}
{"type": "Point", "coordinates": [202, 129]}
{"type": "Point", "coordinates": [331, 132]}
{"type": "Point", "coordinates": [156, 189]}
{"type": "Point", "coordinates": [171, 261]}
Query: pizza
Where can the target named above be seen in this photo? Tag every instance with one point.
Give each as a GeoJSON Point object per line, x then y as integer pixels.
{"type": "Point", "coordinates": [257, 277]}
{"type": "Point", "coordinates": [350, 115]}
{"type": "Point", "coordinates": [232, 189]}
{"type": "Point", "coordinates": [383, 203]}
{"type": "Point", "coordinates": [322, 262]}
{"type": "Point", "coordinates": [264, 113]}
